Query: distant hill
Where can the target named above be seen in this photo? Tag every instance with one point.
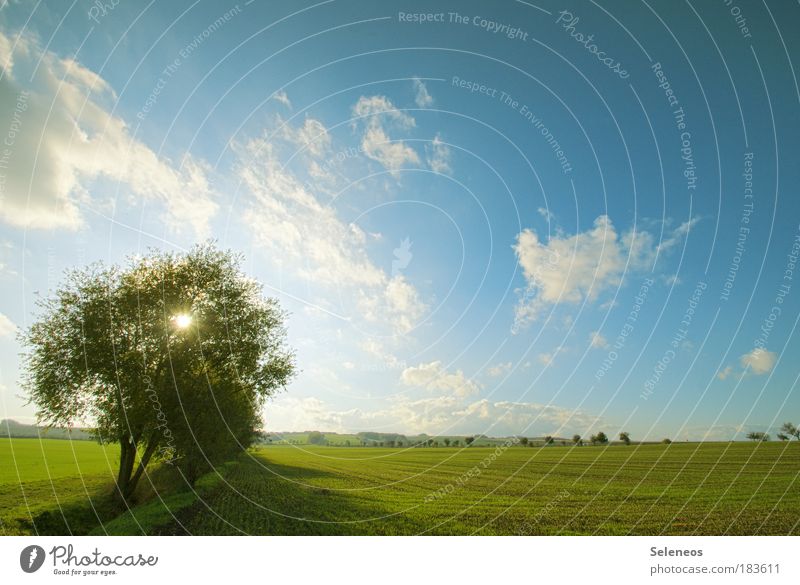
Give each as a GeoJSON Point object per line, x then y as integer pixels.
{"type": "Point", "coordinates": [13, 429]}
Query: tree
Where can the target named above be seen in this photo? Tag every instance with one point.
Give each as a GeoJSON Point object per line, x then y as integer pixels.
{"type": "Point", "coordinates": [548, 440]}
{"type": "Point", "coordinates": [456, 443]}
{"type": "Point", "coordinates": [447, 442]}
{"type": "Point", "coordinates": [782, 437]}
{"type": "Point", "coordinates": [524, 441]}
{"type": "Point", "coordinates": [469, 441]}
{"type": "Point", "coordinates": [667, 441]}
{"type": "Point", "coordinates": [316, 438]}
{"type": "Point", "coordinates": [599, 438]}
{"type": "Point", "coordinates": [758, 436]}
{"type": "Point", "coordinates": [172, 357]}
{"type": "Point", "coordinates": [791, 430]}
{"type": "Point", "coordinates": [625, 438]}
{"type": "Point", "coordinates": [576, 439]}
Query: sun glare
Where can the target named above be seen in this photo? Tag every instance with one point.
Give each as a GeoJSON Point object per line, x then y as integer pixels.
{"type": "Point", "coordinates": [182, 321]}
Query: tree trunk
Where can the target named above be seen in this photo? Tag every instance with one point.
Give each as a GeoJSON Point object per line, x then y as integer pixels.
{"type": "Point", "coordinates": [152, 445]}
{"type": "Point", "coordinates": [127, 455]}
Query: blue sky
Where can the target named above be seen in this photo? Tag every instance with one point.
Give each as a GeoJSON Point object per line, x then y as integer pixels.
{"type": "Point", "coordinates": [473, 233]}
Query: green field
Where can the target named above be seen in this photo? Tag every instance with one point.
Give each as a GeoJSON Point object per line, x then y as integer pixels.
{"type": "Point", "coordinates": [721, 488]}
{"type": "Point", "coordinates": [49, 478]}
{"type": "Point", "coordinates": [731, 488]}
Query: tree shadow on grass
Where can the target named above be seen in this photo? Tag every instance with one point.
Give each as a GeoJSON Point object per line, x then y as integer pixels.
{"type": "Point", "coordinates": [276, 499]}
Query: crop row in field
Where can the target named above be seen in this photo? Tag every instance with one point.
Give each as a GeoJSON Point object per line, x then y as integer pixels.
{"type": "Point", "coordinates": [725, 488]}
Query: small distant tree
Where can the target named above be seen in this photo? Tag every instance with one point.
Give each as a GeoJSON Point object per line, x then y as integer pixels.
{"type": "Point", "coordinates": [456, 443]}
{"type": "Point", "coordinates": [316, 438]}
{"type": "Point", "coordinates": [347, 443]}
{"type": "Point", "coordinates": [783, 437]}
{"type": "Point", "coordinates": [758, 436]}
{"type": "Point", "coordinates": [390, 443]}
{"type": "Point", "coordinates": [625, 438]}
{"type": "Point", "coordinates": [524, 441]}
{"type": "Point", "coordinates": [599, 438]}
{"type": "Point", "coordinates": [790, 430]}
{"type": "Point", "coordinates": [399, 443]}
{"type": "Point", "coordinates": [429, 442]}
{"type": "Point", "coordinates": [576, 439]}
{"type": "Point", "coordinates": [548, 440]}
{"type": "Point", "coordinates": [469, 441]}
{"type": "Point", "coordinates": [666, 441]}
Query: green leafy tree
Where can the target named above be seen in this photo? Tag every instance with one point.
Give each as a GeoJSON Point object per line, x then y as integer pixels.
{"type": "Point", "coordinates": [599, 438]}
{"type": "Point", "coordinates": [548, 440]}
{"type": "Point", "coordinates": [576, 440]}
{"type": "Point", "coordinates": [625, 438]}
{"type": "Point", "coordinates": [469, 441]}
{"type": "Point", "coordinates": [524, 441]}
{"type": "Point", "coordinates": [791, 430]}
{"type": "Point", "coordinates": [446, 442]}
{"type": "Point", "coordinates": [667, 441]}
{"type": "Point", "coordinates": [758, 436]}
{"type": "Point", "coordinates": [316, 438]}
{"type": "Point", "coordinates": [172, 357]}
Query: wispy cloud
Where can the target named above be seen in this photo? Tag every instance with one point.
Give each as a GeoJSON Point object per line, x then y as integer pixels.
{"type": "Point", "coordinates": [422, 98]}
{"type": "Point", "coordinates": [378, 113]}
{"type": "Point", "coordinates": [66, 137]}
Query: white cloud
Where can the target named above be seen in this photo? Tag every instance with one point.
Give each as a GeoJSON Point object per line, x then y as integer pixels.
{"type": "Point", "coordinates": [311, 135]}
{"type": "Point", "coordinates": [437, 415]}
{"type": "Point", "coordinates": [571, 269]}
{"type": "Point", "coordinates": [597, 341]}
{"type": "Point", "coordinates": [375, 143]}
{"type": "Point", "coordinates": [423, 98]}
{"type": "Point", "coordinates": [546, 358]}
{"type": "Point", "coordinates": [280, 96]}
{"type": "Point", "coordinates": [433, 376]}
{"type": "Point", "coordinates": [760, 361]}
{"type": "Point", "coordinates": [723, 374]}
{"type": "Point", "coordinates": [306, 235]}
{"type": "Point", "coordinates": [498, 370]}
{"type": "Point", "coordinates": [64, 138]}
{"type": "Point", "coordinates": [7, 327]}
{"type": "Point", "coordinates": [439, 156]}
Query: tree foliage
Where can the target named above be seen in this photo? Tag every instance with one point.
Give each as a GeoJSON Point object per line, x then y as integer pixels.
{"type": "Point", "coordinates": [172, 357]}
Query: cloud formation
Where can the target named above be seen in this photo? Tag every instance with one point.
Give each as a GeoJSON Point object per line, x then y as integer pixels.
{"type": "Point", "coordinates": [436, 415]}
{"type": "Point", "coordinates": [581, 267]}
{"type": "Point", "coordinates": [7, 327]}
{"type": "Point", "coordinates": [62, 137]}
{"type": "Point", "coordinates": [305, 234]}
{"type": "Point", "coordinates": [433, 376]}
{"type": "Point", "coordinates": [759, 361]}
{"type": "Point", "coordinates": [423, 99]}
{"type": "Point", "coordinates": [375, 142]}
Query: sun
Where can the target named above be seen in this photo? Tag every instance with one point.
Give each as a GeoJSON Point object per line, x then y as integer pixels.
{"type": "Point", "coordinates": [182, 321]}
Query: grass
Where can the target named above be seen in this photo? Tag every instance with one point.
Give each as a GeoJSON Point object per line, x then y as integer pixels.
{"type": "Point", "coordinates": [58, 487]}
{"type": "Point", "coordinates": [51, 486]}
{"type": "Point", "coordinates": [723, 488]}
